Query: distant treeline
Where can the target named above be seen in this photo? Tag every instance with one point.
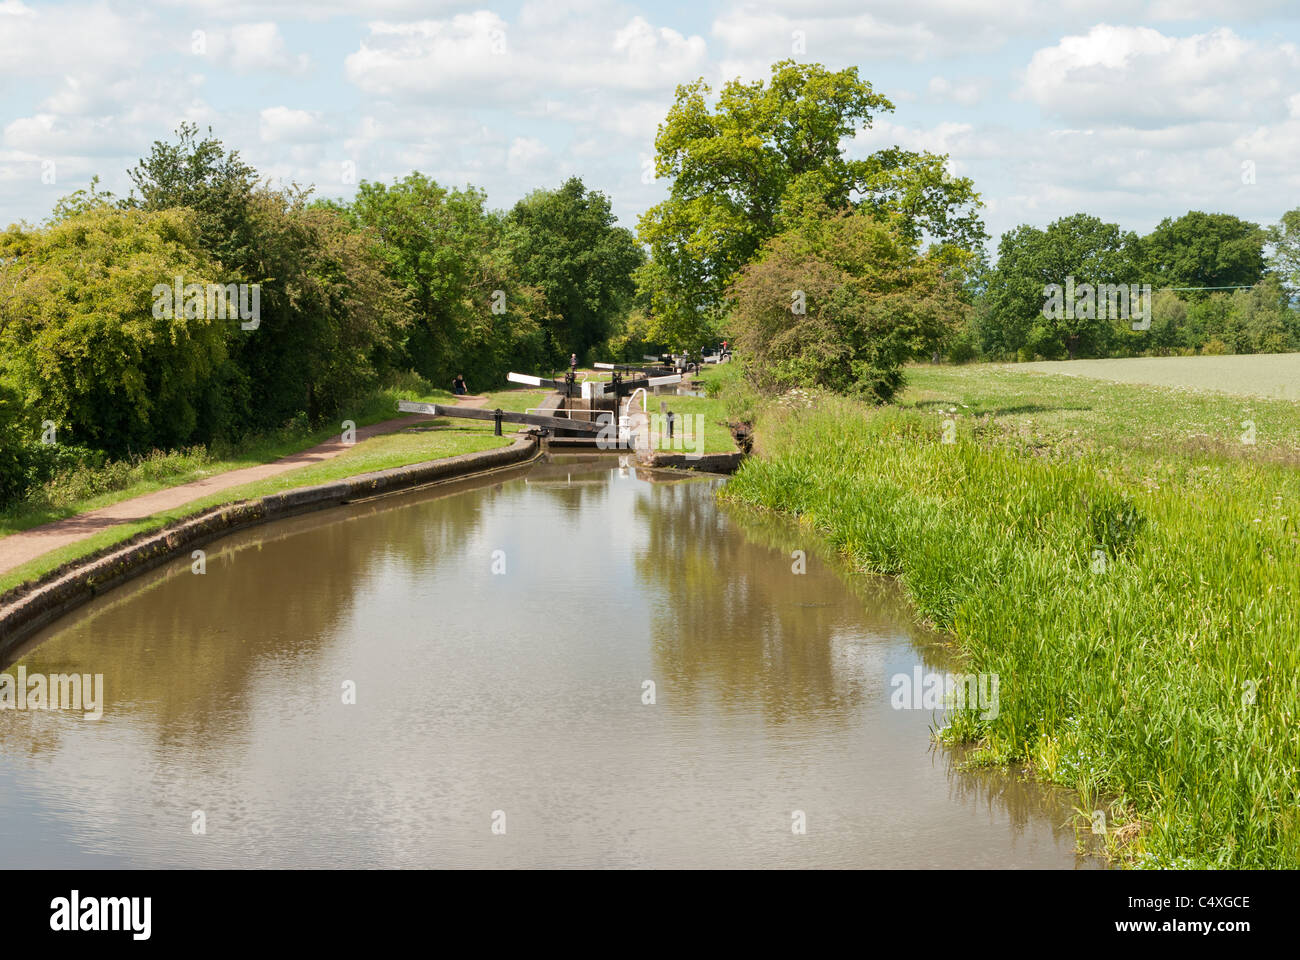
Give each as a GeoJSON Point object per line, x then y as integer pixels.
{"type": "Point", "coordinates": [409, 276]}
{"type": "Point", "coordinates": [1218, 284]}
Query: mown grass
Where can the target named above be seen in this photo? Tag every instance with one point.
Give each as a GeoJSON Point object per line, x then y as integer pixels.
{"type": "Point", "coordinates": [515, 401]}
{"type": "Point", "coordinates": [696, 418]}
{"type": "Point", "coordinates": [417, 445]}
{"type": "Point", "coordinates": [1161, 675]}
{"type": "Point", "coordinates": [86, 489]}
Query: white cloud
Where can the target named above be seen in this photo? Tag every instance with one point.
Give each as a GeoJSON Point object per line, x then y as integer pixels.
{"type": "Point", "coordinates": [966, 93]}
{"type": "Point", "coordinates": [479, 56]}
{"type": "Point", "coordinates": [526, 154]}
{"type": "Point", "coordinates": [1140, 77]}
{"type": "Point", "coordinates": [316, 10]}
{"type": "Point", "coordinates": [59, 40]}
{"type": "Point", "coordinates": [470, 52]}
{"type": "Point", "coordinates": [837, 32]}
{"type": "Point", "coordinates": [284, 125]}
{"type": "Point", "coordinates": [1131, 122]}
{"type": "Point", "coordinates": [253, 48]}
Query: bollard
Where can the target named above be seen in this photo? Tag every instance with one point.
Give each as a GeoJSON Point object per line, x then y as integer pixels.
{"type": "Point", "coordinates": [671, 417]}
{"type": "Point", "coordinates": [496, 416]}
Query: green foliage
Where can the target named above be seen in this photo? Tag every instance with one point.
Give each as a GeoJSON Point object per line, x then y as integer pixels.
{"type": "Point", "coordinates": [1113, 523]}
{"type": "Point", "coordinates": [631, 339]}
{"type": "Point", "coordinates": [750, 167]}
{"type": "Point", "coordinates": [1284, 260]}
{"type": "Point", "coordinates": [13, 481]}
{"type": "Point", "coordinates": [672, 317]}
{"type": "Point", "coordinates": [1204, 250]}
{"type": "Point", "coordinates": [330, 318]}
{"type": "Point", "coordinates": [82, 201]}
{"type": "Point", "coordinates": [1124, 680]}
{"type": "Point", "coordinates": [447, 252]}
{"type": "Point", "coordinates": [842, 303]}
{"type": "Point", "coordinates": [1029, 260]}
{"type": "Point", "coordinates": [79, 341]}
{"type": "Point", "coordinates": [200, 175]}
{"type": "Point", "coordinates": [564, 243]}
{"type": "Point", "coordinates": [433, 240]}
{"type": "Point", "coordinates": [1195, 250]}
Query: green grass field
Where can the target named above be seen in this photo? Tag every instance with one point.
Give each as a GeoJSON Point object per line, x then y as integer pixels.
{"type": "Point", "coordinates": [1118, 554]}
{"type": "Point", "coordinates": [1257, 375]}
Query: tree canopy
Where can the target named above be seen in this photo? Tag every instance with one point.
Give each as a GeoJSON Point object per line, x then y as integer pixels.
{"type": "Point", "coordinates": [1204, 250]}
{"type": "Point", "coordinates": [747, 168]}
{"type": "Point", "coordinates": [841, 301]}
{"type": "Point", "coordinates": [80, 343]}
{"type": "Point", "coordinates": [565, 243]}
{"type": "Point", "coordinates": [1081, 247]}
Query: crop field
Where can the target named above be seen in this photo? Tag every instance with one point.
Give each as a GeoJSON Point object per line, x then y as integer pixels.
{"type": "Point", "coordinates": [1254, 375]}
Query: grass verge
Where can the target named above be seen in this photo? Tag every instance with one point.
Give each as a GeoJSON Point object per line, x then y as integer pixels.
{"type": "Point", "coordinates": [696, 418]}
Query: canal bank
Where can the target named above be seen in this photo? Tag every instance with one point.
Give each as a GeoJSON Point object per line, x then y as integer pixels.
{"type": "Point", "coordinates": [27, 608]}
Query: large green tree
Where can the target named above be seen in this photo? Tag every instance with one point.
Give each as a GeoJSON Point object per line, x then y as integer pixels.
{"type": "Point", "coordinates": [565, 243]}
{"type": "Point", "coordinates": [441, 245]}
{"type": "Point", "coordinates": [200, 174]}
{"type": "Point", "coordinates": [327, 322]}
{"type": "Point", "coordinates": [1201, 250]}
{"type": "Point", "coordinates": [842, 302]}
{"type": "Point", "coordinates": [332, 317]}
{"type": "Point", "coordinates": [747, 167]}
{"type": "Point", "coordinates": [81, 342]}
{"type": "Point", "coordinates": [1081, 247]}
{"type": "Point", "coordinates": [1284, 259]}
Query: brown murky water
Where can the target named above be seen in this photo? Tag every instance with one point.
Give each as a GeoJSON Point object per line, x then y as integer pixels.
{"type": "Point", "coordinates": [500, 639]}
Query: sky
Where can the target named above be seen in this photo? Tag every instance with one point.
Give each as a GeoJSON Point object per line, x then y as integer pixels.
{"type": "Point", "coordinates": [1132, 111]}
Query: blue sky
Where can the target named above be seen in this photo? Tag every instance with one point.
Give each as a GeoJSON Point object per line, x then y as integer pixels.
{"type": "Point", "coordinates": [1132, 111]}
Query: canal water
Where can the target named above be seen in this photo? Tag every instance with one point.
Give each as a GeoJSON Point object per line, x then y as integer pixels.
{"type": "Point", "coordinates": [574, 664]}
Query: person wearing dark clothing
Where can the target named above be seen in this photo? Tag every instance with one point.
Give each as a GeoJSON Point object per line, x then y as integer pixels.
{"type": "Point", "coordinates": [458, 385]}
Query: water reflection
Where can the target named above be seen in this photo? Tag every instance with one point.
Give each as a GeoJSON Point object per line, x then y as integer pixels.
{"type": "Point", "coordinates": [500, 639]}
